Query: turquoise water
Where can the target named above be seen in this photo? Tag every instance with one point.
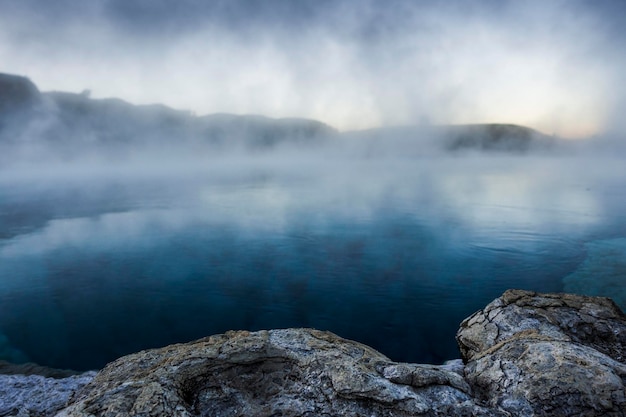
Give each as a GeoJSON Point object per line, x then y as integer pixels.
{"type": "Point", "coordinates": [97, 261]}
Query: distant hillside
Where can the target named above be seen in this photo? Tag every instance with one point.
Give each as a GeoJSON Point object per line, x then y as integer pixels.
{"type": "Point", "coordinates": [19, 100]}
{"type": "Point", "coordinates": [76, 121]}
{"type": "Point", "coordinates": [456, 138]}
{"type": "Point", "coordinates": [494, 137]}
{"type": "Point", "coordinates": [70, 123]}
{"type": "Point", "coordinates": [17, 94]}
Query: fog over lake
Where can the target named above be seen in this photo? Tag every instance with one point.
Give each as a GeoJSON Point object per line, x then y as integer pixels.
{"type": "Point", "coordinates": [172, 170]}
{"type": "Point", "coordinates": [103, 258]}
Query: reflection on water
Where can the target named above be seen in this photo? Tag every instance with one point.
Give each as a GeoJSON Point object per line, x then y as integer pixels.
{"type": "Point", "coordinates": [393, 253]}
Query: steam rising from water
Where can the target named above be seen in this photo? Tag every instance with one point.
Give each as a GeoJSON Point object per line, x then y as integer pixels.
{"type": "Point", "coordinates": [104, 259]}
{"type": "Point", "coordinates": [554, 66]}
{"type": "Point", "coordinates": [107, 249]}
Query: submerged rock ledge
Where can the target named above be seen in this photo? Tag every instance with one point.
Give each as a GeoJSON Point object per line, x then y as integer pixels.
{"type": "Point", "coordinates": [524, 354]}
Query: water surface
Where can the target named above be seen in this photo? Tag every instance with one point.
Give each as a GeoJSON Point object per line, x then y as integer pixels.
{"type": "Point", "coordinates": [99, 260]}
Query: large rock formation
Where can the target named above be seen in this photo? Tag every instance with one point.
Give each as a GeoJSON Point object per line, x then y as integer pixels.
{"type": "Point", "coordinates": [292, 372]}
{"type": "Point", "coordinates": [525, 354]}
{"type": "Point", "coordinates": [547, 355]}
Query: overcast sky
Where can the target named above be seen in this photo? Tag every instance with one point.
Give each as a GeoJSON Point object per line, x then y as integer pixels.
{"type": "Point", "coordinates": [555, 65]}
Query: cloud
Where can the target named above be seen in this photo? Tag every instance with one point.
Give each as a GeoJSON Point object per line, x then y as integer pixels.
{"type": "Point", "coordinates": [553, 66]}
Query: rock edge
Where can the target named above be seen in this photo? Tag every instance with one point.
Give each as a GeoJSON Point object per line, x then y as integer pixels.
{"type": "Point", "coordinates": [524, 354]}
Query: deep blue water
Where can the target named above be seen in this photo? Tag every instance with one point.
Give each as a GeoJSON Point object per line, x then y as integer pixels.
{"type": "Point", "coordinates": [100, 261]}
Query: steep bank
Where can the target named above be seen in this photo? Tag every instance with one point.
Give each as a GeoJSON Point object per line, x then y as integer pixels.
{"type": "Point", "coordinates": [525, 354]}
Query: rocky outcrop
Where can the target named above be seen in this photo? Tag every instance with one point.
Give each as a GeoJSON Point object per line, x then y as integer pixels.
{"type": "Point", "coordinates": [37, 396]}
{"type": "Point", "coordinates": [547, 354]}
{"type": "Point", "coordinates": [291, 372]}
{"type": "Point", "coordinates": [525, 354]}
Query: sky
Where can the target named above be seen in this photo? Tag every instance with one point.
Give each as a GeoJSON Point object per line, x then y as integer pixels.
{"type": "Point", "coordinates": [554, 65]}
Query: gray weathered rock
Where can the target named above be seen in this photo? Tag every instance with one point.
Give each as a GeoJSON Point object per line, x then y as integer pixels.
{"type": "Point", "coordinates": [525, 354]}
{"type": "Point", "coordinates": [37, 396]}
{"type": "Point", "coordinates": [547, 354]}
{"type": "Point", "coordinates": [292, 372]}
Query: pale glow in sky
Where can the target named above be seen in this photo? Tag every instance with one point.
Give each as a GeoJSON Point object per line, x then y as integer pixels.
{"type": "Point", "coordinates": [554, 67]}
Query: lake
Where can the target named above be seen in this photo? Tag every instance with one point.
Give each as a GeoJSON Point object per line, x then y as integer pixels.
{"type": "Point", "coordinates": [98, 260]}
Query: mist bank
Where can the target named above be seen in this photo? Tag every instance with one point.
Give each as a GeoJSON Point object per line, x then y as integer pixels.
{"type": "Point", "coordinates": [38, 125]}
{"type": "Point", "coordinates": [33, 124]}
{"type": "Point", "coordinates": [120, 220]}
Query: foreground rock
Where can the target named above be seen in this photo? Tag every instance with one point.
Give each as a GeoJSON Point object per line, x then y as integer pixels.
{"type": "Point", "coordinates": [292, 372]}
{"type": "Point", "coordinates": [525, 354]}
{"type": "Point", "coordinates": [36, 395]}
{"type": "Point", "coordinates": [547, 355]}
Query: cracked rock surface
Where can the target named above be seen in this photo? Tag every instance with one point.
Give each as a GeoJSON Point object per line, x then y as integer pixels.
{"type": "Point", "coordinates": [36, 395]}
{"type": "Point", "coordinates": [547, 354]}
{"type": "Point", "coordinates": [290, 372]}
{"type": "Point", "coordinates": [524, 354]}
